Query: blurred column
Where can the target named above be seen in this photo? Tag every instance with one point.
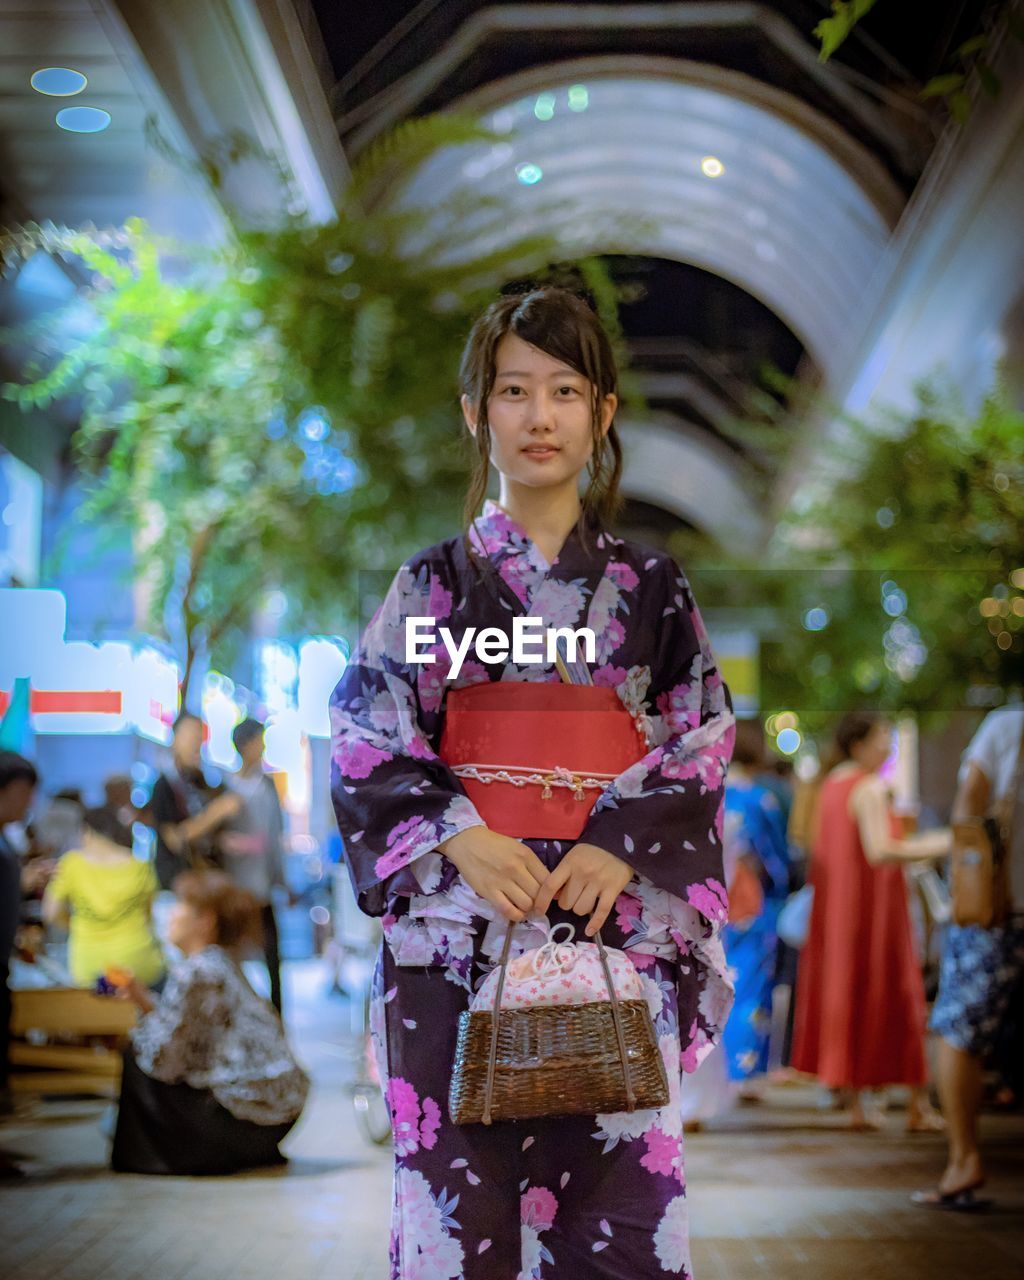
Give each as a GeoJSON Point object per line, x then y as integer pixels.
{"type": "Point", "coordinates": [251, 68]}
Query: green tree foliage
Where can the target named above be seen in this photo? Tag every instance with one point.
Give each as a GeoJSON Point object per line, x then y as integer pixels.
{"type": "Point", "coordinates": [281, 411]}
{"type": "Point", "coordinates": [902, 585]}
{"type": "Point", "coordinates": [833, 31]}
{"type": "Point", "coordinates": [968, 62]}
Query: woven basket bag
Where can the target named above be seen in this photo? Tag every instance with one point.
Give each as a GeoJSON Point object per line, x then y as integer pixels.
{"type": "Point", "coordinates": [562, 1060]}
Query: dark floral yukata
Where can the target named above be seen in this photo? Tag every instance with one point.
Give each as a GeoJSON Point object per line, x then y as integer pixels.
{"type": "Point", "coordinates": [598, 1196]}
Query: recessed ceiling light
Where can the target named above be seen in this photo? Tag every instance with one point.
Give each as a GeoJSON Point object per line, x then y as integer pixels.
{"type": "Point", "coordinates": [712, 167]}
{"type": "Point", "coordinates": [58, 82]}
{"type": "Point", "coordinates": [83, 119]}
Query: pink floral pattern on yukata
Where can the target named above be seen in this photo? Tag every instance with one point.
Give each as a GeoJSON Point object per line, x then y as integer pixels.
{"type": "Point", "coordinates": [413, 1126]}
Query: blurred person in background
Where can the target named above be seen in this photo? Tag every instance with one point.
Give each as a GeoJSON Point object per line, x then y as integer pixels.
{"type": "Point", "coordinates": [117, 792]}
{"type": "Point", "coordinates": [187, 811]}
{"type": "Point", "coordinates": [982, 968]}
{"type": "Point", "coordinates": [210, 1085]}
{"type": "Point", "coordinates": [860, 1002]}
{"type": "Point", "coordinates": [58, 827]}
{"type": "Point", "coordinates": [104, 896]}
{"type": "Point", "coordinates": [757, 863]}
{"type": "Point", "coordinates": [795, 797]}
{"type": "Point", "coordinates": [18, 782]}
{"type": "Point", "coordinates": [776, 774]}
{"type": "Point", "coordinates": [253, 843]}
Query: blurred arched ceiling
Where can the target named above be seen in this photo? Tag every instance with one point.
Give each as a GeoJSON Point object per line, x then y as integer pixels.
{"type": "Point", "coordinates": [798, 217]}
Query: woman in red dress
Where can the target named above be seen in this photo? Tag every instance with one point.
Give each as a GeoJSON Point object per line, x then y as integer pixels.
{"type": "Point", "coordinates": [860, 1014]}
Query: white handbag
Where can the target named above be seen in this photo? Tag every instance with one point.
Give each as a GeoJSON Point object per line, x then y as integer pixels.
{"type": "Point", "coordinates": [794, 923]}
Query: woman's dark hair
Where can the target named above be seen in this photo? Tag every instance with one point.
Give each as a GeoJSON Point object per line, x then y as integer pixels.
{"type": "Point", "coordinates": [15, 768]}
{"type": "Point", "coordinates": [854, 727]}
{"type": "Point", "coordinates": [106, 822]}
{"type": "Point", "coordinates": [235, 910]}
{"type": "Point", "coordinates": [562, 325]}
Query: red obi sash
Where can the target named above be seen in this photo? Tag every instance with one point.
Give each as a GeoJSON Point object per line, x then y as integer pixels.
{"type": "Point", "coordinates": [535, 756]}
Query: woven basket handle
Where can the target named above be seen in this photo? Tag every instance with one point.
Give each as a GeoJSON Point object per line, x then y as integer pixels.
{"type": "Point", "coordinates": [492, 1056]}
{"type": "Point", "coordinates": [620, 1036]}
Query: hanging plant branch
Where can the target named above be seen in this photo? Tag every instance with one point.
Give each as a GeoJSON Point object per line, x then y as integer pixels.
{"type": "Point", "coordinates": [269, 412]}
{"type": "Point", "coordinates": [969, 64]}
{"type": "Point", "coordinates": [833, 31]}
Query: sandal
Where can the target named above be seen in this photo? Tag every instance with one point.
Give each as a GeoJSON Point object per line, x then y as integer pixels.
{"type": "Point", "coordinates": [870, 1120]}
{"type": "Point", "coordinates": [927, 1122]}
{"type": "Point", "coordinates": [961, 1201]}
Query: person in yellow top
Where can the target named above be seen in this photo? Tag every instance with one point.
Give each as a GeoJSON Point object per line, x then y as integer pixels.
{"type": "Point", "coordinates": [104, 896]}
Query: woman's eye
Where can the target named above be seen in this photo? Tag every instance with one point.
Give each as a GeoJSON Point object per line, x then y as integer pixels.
{"type": "Point", "coordinates": [572, 390]}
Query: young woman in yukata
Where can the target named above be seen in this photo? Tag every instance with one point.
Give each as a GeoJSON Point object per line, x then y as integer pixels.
{"type": "Point", "coordinates": [565, 1199]}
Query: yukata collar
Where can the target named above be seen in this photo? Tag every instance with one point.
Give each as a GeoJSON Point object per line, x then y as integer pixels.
{"type": "Point", "coordinates": [496, 535]}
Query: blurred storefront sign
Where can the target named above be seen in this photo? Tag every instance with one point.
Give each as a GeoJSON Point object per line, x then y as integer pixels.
{"type": "Point", "coordinates": [738, 657]}
{"type": "Point", "coordinates": [21, 506]}
{"type": "Point", "coordinates": [120, 687]}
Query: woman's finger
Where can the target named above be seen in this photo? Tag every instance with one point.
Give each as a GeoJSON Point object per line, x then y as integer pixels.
{"type": "Point", "coordinates": [525, 878]}
{"type": "Point", "coordinates": [570, 895]}
{"type": "Point", "coordinates": [586, 902]}
{"type": "Point", "coordinates": [601, 914]}
{"type": "Point", "coordinates": [520, 898]}
{"type": "Point", "coordinates": [534, 866]}
{"type": "Point", "coordinates": [506, 908]}
{"type": "Point", "coordinates": [551, 886]}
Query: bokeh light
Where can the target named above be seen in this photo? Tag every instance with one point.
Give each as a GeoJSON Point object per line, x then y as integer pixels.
{"type": "Point", "coordinates": [58, 82]}
{"type": "Point", "coordinates": [83, 119]}
{"type": "Point", "coordinates": [816, 619]}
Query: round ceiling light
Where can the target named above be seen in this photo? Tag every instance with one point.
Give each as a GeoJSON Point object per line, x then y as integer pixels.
{"type": "Point", "coordinates": [58, 82]}
{"type": "Point", "coordinates": [83, 119]}
{"type": "Point", "coordinates": [712, 167]}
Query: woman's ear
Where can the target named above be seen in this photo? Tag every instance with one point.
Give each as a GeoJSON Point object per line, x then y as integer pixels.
{"type": "Point", "coordinates": [611, 403]}
{"type": "Point", "coordinates": [469, 413]}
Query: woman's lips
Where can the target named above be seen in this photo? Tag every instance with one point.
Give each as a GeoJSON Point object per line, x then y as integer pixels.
{"type": "Point", "coordinates": [541, 453]}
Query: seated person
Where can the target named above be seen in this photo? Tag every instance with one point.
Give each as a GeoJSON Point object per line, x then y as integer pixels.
{"type": "Point", "coordinates": [104, 896]}
{"type": "Point", "coordinates": [210, 1085]}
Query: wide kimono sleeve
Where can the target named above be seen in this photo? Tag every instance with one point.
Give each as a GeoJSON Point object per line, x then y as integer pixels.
{"type": "Point", "coordinates": [174, 1041]}
{"type": "Point", "coordinates": [394, 798]}
{"type": "Point", "coordinates": [664, 815]}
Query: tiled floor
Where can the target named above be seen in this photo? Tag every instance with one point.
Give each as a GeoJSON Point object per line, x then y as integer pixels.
{"type": "Point", "coordinates": [776, 1191]}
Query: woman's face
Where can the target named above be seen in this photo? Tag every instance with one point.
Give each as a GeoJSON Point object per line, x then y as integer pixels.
{"type": "Point", "coordinates": [539, 412]}
{"type": "Point", "coordinates": [873, 751]}
{"type": "Point", "coordinates": [188, 929]}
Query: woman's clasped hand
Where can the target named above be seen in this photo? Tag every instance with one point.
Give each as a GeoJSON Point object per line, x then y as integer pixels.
{"type": "Point", "coordinates": [509, 875]}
